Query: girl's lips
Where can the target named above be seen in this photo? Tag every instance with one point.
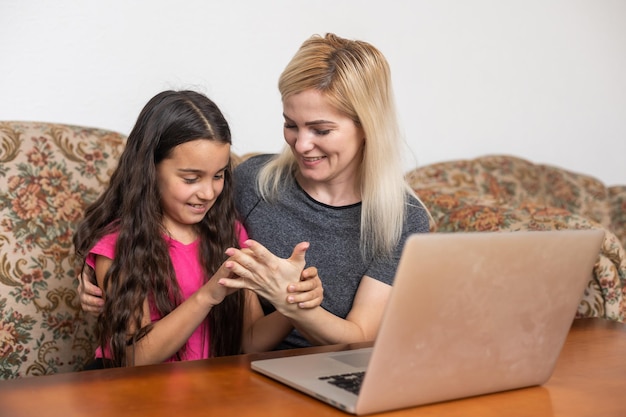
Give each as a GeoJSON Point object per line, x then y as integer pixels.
{"type": "Point", "coordinates": [198, 208]}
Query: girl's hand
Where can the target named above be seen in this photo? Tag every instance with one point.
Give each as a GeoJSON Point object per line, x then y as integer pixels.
{"type": "Point", "coordinates": [214, 291]}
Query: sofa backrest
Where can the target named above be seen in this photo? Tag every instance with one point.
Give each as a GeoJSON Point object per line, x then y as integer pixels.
{"type": "Point", "coordinates": [49, 173]}
{"type": "Point", "coordinates": [505, 180]}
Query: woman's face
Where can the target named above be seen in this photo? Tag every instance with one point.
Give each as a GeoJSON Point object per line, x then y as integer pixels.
{"type": "Point", "coordinates": [326, 143]}
{"type": "Point", "coordinates": [190, 180]}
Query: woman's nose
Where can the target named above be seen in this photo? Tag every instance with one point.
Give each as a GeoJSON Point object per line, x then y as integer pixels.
{"type": "Point", "coordinates": [304, 142]}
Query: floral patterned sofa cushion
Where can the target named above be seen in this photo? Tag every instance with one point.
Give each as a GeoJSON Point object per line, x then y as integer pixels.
{"type": "Point", "coordinates": [48, 174]}
{"type": "Point", "coordinates": [505, 193]}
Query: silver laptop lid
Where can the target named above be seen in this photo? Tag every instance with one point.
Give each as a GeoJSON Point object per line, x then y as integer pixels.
{"type": "Point", "coordinates": [473, 313]}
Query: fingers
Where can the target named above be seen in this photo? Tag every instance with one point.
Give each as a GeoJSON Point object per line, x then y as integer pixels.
{"type": "Point", "coordinates": [89, 294]}
{"type": "Point", "coordinates": [264, 256]}
{"type": "Point", "coordinates": [245, 260]}
{"type": "Point", "coordinates": [234, 283]}
{"type": "Point", "coordinates": [308, 299]}
{"type": "Point", "coordinates": [92, 309]}
{"type": "Point", "coordinates": [310, 304]}
{"type": "Point", "coordinates": [257, 269]}
{"type": "Point", "coordinates": [258, 251]}
{"type": "Point", "coordinates": [89, 288]}
{"type": "Point", "coordinates": [307, 293]}
{"type": "Point", "coordinates": [230, 276]}
{"type": "Point", "coordinates": [309, 280]}
{"type": "Point", "coordinates": [309, 273]}
{"type": "Point", "coordinates": [298, 252]}
{"type": "Point", "coordinates": [91, 304]}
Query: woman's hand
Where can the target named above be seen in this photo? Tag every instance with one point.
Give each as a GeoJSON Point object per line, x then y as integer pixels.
{"type": "Point", "coordinates": [308, 292]}
{"type": "Point", "coordinates": [89, 294]}
{"type": "Point", "coordinates": [267, 275]}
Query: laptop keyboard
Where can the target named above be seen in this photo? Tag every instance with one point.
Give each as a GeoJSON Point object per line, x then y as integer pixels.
{"type": "Point", "coordinates": [350, 382]}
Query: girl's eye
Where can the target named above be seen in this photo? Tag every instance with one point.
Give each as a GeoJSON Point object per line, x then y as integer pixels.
{"type": "Point", "coordinates": [190, 180]}
{"type": "Point", "coordinates": [219, 176]}
{"type": "Point", "coordinates": [289, 126]}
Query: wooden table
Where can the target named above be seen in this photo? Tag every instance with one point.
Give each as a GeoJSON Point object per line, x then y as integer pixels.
{"type": "Point", "coordinates": [589, 380]}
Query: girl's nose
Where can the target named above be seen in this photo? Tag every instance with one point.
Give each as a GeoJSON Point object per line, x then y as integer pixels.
{"type": "Point", "coordinates": [207, 192]}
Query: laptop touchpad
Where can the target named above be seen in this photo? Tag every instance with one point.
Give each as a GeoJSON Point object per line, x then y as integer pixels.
{"type": "Point", "coordinates": [358, 359]}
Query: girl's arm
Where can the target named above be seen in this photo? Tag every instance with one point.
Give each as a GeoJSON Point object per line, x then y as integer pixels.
{"type": "Point", "coordinates": [264, 332]}
{"type": "Point", "coordinates": [171, 332]}
{"type": "Point", "coordinates": [306, 293]}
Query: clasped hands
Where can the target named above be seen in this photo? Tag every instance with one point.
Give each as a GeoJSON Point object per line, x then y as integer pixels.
{"type": "Point", "coordinates": [257, 269]}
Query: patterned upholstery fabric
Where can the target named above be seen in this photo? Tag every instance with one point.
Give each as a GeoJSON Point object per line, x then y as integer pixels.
{"type": "Point", "coordinates": [505, 193]}
{"type": "Point", "coordinates": [48, 174]}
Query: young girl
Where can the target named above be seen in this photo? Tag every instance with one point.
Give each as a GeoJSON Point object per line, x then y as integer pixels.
{"type": "Point", "coordinates": [157, 238]}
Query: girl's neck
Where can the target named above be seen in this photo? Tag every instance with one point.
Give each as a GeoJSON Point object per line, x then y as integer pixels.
{"type": "Point", "coordinates": [183, 235]}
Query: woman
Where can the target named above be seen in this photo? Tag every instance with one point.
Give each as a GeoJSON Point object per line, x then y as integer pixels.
{"type": "Point", "coordinates": [338, 185]}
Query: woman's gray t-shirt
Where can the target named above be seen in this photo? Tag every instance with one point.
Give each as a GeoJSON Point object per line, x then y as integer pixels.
{"type": "Point", "coordinates": [333, 233]}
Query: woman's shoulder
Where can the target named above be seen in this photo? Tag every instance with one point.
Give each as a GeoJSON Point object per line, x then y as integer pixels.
{"type": "Point", "coordinates": [246, 183]}
{"type": "Point", "coordinates": [246, 172]}
{"type": "Point", "coordinates": [254, 162]}
{"type": "Point", "coordinates": [417, 214]}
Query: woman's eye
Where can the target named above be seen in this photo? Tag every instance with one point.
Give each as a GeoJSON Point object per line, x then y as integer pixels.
{"type": "Point", "coordinates": [219, 176]}
{"type": "Point", "coordinates": [190, 180]}
{"type": "Point", "coordinates": [289, 126]}
{"type": "Point", "coordinates": [322, 132]}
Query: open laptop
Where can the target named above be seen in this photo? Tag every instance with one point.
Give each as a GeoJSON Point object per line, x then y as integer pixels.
{"type": "Point", "coordinates": [468, 314]}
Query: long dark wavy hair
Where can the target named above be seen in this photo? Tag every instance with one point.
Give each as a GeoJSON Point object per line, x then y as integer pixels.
{"type": "Point", "coordinates": [131, 205]}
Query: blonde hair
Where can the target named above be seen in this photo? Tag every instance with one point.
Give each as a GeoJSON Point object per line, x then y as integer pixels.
{"type": "Point", "coordinates": [355, 78]}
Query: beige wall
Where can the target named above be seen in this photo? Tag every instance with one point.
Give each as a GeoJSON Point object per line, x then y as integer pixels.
{"type": "Point", "coordinates": [541, 79]}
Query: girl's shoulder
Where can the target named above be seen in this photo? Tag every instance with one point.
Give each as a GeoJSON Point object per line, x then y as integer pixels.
{"type": "Point", "coordinates": [105, 246]}
{"type": "Point", "coordinates": [242, 234]}
{"type": "Point", "coordinates": [110, 238]}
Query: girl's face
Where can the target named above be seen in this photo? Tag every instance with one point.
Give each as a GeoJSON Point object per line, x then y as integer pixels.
{"type": "Point", "coordinates": [190, 180]}
{"type": "Point", "coordinates": [326, 143]}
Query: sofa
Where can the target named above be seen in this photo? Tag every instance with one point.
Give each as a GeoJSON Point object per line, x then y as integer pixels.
{"type": "Point", "coordinates": [507, 193]}
{"type": "Point", "coordinates": [50, 172]}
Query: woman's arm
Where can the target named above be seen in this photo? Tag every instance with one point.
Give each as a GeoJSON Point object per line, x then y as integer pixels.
{"type": "Point", "coordinates": [265, 273]}
{"type": "Point", "coordinates": [320, 327]}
